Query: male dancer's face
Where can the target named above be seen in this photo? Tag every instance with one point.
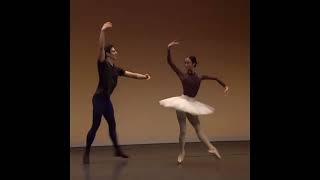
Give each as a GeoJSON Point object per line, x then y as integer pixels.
{"type": "Point", "coordinates": [188, 64]}
{"type": "Point", "coordinates": [113, 54]}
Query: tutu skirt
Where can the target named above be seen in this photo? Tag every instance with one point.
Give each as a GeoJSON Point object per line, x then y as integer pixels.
{"type": "Point", "coordinates": [187, 104]}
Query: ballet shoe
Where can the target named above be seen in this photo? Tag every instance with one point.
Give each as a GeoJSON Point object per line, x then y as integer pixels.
{"type": "Point", "coordinates": [214, 152]}
{"type": "Point", "coordinates": [181, 157]}
{"type": "Point", "coordinates": [86, 159]}
{"type": "Point", "coordinates": [121, 154]}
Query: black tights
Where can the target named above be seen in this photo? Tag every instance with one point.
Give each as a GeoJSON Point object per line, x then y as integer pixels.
{"type": "Point", "coordinates": [102, 106]}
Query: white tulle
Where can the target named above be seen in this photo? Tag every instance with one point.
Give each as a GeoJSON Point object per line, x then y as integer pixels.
{"type": "Point", "coordinates": [187, 104]}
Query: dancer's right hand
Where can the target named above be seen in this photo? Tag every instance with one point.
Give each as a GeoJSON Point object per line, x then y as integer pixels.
{"type": "Point", "coordinates": [173, 43]}
{"type": "Point", "coordinates": [106, 25]}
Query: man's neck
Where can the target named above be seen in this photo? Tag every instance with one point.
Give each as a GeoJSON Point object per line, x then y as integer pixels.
{"type": "Point", "coordinates": [110, 60]}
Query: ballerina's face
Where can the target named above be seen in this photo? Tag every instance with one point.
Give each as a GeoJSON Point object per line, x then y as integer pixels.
{"type": "Point", "coordinates": [188, 64]}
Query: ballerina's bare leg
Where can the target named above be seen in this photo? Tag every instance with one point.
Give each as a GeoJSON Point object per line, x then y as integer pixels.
{"type": "Point", "coordinates": [182, 136]}
{"type": "Point", "coordinates": [194, 120]}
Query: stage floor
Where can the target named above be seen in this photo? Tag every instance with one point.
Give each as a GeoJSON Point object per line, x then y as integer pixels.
{"type": "Point", "coordinates": [159, 162]}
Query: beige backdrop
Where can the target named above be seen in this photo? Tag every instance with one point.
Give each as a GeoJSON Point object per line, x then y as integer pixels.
{"type": "Point", "coordinates": [215, 31]}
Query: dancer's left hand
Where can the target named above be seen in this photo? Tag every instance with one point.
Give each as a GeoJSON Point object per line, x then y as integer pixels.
{"type": "Point", "coordinates": [226, 90]}
{"type": "Point", "coordinates": [148, 76]}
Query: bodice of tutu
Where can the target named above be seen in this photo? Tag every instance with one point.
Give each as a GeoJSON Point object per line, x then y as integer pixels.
{"type": "Point", "coordinates": [191, 84]}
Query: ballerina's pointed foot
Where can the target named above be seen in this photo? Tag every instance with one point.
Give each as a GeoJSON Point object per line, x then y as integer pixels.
{"type": "Point", "coordinates": [181, 157]}
{"type": "Point", "coordinates": [214, 152]}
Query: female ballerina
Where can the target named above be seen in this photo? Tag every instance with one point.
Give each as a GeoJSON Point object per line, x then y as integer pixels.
{"type": "Point", "coordinates": [186, 105]}
{"type": "Point", "coordinates": [102, 105]}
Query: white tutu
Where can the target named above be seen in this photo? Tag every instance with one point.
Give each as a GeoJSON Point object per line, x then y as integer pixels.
{"type": "Point", "coordinates": [187, 104]}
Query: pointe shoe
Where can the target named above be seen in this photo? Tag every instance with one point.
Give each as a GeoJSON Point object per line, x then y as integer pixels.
{"type": "Point", "coordinates": [214, 152]}
{"type": "Point", "coordinates": [181, 157]}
